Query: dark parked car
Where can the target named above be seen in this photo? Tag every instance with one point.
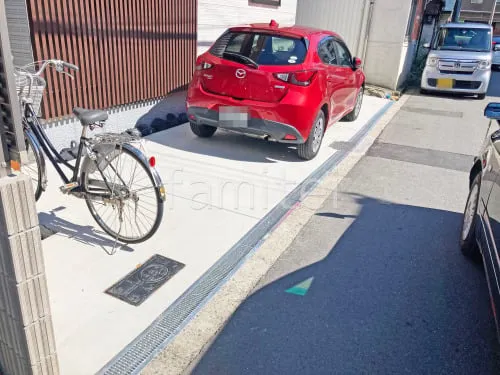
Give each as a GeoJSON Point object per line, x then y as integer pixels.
{"type": "Point", "coordinates": [480, 235]}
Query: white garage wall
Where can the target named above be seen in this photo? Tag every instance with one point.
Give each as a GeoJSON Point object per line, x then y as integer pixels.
{"type": "Point", "coordinates": [215, 16]}
{"type": "Point", "coordinates": [385, 61]}
{"type": "Point", "coordinates": [348, 18]}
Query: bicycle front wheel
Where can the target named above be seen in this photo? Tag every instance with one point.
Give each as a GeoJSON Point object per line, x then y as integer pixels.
{"type": "Point", "coordinates": [134, 212]}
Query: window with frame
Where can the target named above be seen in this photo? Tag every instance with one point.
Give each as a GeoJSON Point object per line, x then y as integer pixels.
{"type": "Point", "coordinates": [344, 56]}
{"type": "Point", "coordinates": [327, 53]}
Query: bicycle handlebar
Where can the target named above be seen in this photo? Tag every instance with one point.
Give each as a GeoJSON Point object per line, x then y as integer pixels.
{"type": "Point", "coordinates": [70, 66]}
{"type": "Point", "coordinates": [58, 64]}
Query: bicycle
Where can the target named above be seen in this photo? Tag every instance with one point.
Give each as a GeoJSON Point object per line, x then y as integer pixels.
{"type": "Point", "coordinates": [99, 174]}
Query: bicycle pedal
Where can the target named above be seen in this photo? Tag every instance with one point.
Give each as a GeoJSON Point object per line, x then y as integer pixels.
{"type": "Point", "coordinates": [69, 187]}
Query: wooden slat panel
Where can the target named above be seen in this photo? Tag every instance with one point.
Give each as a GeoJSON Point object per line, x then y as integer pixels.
{"type": "Point", "coordinates": [128, 50]}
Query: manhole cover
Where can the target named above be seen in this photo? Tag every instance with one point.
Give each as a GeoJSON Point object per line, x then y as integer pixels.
{"type": "Point", "coordinates": [139, 284]}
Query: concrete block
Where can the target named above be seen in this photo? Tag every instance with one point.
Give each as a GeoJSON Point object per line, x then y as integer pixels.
{"type": "Point", "coordinates": [14, 306]}
{"type": "Point", "coordinates": [27, 342]}
{"type": "Point", "coordinates": [17, 211]}
{"type": "Point", "coordinates": [3, 356]}
{"type": "Point", "coordinates": [22, 365]}
{"type": "Point", "coordinates": [40, 339]}
{"type": "Point", "coordinates": [33, 297]}
{"type": "Point", "coordinates": [33, 339]}
{"type": "Point", "coordinates": [48, 366]}
{"type": "Point", "coordinates": [25, 255]}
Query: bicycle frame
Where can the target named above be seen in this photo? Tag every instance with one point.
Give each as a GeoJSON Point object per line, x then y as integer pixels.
{"type": "Point", "coordinates": [34, 130]}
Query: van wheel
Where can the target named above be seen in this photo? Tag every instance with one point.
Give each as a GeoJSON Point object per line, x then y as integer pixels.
{"type": "Point", "coordinates": [468, 242]}
{"type": "Point", "coordinates": [203, 131]}
{"type": "Point", "coordinates": [310, 148]}
{"type": "Point", "coordinates": [481, 96]}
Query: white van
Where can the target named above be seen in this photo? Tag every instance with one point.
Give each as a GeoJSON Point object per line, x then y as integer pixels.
{"type": "Point", "coordinates": [459, 59]}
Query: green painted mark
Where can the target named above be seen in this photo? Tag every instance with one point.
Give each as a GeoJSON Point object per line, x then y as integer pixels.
{"type": "Point", "coordinates": [301, 288]}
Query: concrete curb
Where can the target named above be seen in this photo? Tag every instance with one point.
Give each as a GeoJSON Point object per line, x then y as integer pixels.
{"type": "Point", "coordinates": [182, 353]}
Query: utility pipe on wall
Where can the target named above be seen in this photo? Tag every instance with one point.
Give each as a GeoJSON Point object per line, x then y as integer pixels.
{"type": "Point", "coordinates": [368, 28]}
{"type": "Point", "coordinates": [456, 11]}
{"type": "Point", "coordinates": [493, 12]}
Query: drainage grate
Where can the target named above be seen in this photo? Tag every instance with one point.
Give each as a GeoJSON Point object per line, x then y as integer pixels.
{"type": "Point", "coordinates": [139, 284]}
{"type": "Point", "coordinates": [134, 357]}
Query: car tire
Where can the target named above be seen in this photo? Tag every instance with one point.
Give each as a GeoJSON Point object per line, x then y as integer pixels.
{"type": "Point", "coordinates": [311, 147]}
{"type": "Point", "coordinates": [203, 131]}
{"type": "Point", "coordinates": [424, 92]}
{"type": "Point", "coordinates": [468, 243]}
{"type": "Point", "coordinates": [481, 96]}
{"type": "Point", "coordinates": [353, 115]}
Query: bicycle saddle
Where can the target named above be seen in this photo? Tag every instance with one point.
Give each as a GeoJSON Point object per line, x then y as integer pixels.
{"type": "Point", "coordinates": [90, 116]}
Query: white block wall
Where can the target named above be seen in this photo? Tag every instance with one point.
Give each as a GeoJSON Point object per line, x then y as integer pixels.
{"type": "Point", "coordinates": [348, 18]}
{"type": "Point", "coordinates": [215, 16]}
{"type": "Point", "coordinates": [387, 51]}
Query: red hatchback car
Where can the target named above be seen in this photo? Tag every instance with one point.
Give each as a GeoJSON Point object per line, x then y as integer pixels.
{"type": "Point", "coordinates": [283, 84]}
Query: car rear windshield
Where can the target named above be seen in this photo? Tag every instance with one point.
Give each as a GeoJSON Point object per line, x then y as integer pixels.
{"type": "Point", "coordinates": [260, 48]}
{"type": "Point", "coordinates": [463, 39]}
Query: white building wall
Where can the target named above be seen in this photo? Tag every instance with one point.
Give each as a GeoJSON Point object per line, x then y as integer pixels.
{"type": "Point", "coordinates": [215, 16]}
{"type": "Point", "coordinates": [347, 18]}
{"type": "Point", "coordinates": [387, 49]}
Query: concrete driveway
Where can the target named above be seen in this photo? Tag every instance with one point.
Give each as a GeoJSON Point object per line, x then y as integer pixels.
{"type": "Point", "coordinates": [390, 292]}
{"type": "Point", "coordinates": [219, 190]}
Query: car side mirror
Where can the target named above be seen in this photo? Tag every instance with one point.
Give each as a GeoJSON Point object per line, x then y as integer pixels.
{"type": "Point", "coordinates": [492, 111]}
{"type": "Point", "coordinates": [357, 63]}
{"type": "Point", "coordinates": [426, 45]}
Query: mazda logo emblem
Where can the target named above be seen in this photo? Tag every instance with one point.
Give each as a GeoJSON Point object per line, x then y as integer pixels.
{"type": "Point", "coordinates": [240, 73]}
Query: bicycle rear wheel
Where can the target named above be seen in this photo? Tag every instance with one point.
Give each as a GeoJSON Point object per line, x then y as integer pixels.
{"type": "Point", "coordinates": [135, 212]}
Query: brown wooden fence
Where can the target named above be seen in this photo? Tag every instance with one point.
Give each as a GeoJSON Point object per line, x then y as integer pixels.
{"type": "Point", "coordinates": [127, 50]}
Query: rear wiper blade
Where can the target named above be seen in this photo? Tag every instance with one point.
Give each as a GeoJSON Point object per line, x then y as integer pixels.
{"type": "Point", "coordinates": [248, 60]}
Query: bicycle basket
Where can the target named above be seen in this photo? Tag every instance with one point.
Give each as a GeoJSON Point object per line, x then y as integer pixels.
{"type": "Point", "coordinates": [30, 88]}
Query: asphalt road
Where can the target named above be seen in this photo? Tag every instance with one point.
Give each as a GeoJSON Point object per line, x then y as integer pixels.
{"type": "Point", "coordinates": [391, 293]}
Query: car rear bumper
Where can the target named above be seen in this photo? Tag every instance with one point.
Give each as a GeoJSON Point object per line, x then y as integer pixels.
{"type": "Point", "coordinates": [294, 114]}
{"type": "Point", "coordinates": [475, 83]}
{"type": "Point", "coordinates": [257, 127]}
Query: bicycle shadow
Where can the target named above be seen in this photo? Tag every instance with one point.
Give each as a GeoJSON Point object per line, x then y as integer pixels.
{"type": "Point", "coordinates": [86, 234]}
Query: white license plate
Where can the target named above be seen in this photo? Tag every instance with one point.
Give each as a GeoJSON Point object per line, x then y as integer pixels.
{"type": "Point", "coordinates": [233, 116]}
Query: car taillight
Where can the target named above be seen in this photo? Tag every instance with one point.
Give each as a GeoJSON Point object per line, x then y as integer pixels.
{"type": "Point", "coordinates": [203, 66]}
{"type": "Point", "coordinates": [302, 78]}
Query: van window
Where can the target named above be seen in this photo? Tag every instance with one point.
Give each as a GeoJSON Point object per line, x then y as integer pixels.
{"type": "Point", "coordinates": [263, 49]}
{"type": "Point", "coordinates": [463, 39]}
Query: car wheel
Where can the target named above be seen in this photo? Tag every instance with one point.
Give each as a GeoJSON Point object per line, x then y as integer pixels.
{"type": "Point", "coordinates": [481, 96]}
{"type": "Point", "coordinates": [203, 131]}
{"type": "Point", "coordinates": [353, 115]}
{"type": "Point", "coordinates": [310, 148]}
{"type": "Point", "coordinates": [424, 92]}
{"type": "Point", "coordinates": [468, 242]}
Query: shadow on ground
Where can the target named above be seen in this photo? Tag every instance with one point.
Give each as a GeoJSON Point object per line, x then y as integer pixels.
{"type": "Point", "coordinates": [393, 296]}
{"type": "Point", "coordinates": [53, 224]}
{"type": "Point", "coordinates": [166, 114]}
{"type": "Point", "coordinates": [226, 145]}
